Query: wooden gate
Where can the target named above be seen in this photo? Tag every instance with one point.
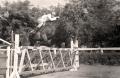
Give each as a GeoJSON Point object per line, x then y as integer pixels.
{"type": "Point", "coordinates": [39, 60]}
{"type": "Point", "coordinates": [35, 60]}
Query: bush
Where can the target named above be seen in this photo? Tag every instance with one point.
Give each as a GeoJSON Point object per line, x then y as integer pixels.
{"type": "Point", "coordinates": [106, 58]}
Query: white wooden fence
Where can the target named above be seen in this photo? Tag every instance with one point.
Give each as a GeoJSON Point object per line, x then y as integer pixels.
{"type": "Point", "coordinates": [38, 60]}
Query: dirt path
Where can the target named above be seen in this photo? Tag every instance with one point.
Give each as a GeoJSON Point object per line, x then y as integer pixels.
{"type": "Point", "coordinates": [87, 71]}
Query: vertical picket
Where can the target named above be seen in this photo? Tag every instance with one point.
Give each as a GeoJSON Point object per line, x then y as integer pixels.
{"type": "Point", "coordinates": [15, 71]}
{"type": "Point", "coordinates": [8, 62]}
{"type": "Point", "coordinates": [74, 45]}
{"type": "Point", "coordinates": [76, 55]}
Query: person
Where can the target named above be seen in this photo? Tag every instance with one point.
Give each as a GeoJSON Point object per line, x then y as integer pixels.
{"type": "Point", "coordinates": [46, 17]}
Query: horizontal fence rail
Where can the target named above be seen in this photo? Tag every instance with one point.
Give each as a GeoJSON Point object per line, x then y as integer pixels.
{"type": "Point", "coordinates": [44, 47]}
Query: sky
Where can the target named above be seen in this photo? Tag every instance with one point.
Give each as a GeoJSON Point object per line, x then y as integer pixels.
{"type": "Point", "coordinates": [41, 3]}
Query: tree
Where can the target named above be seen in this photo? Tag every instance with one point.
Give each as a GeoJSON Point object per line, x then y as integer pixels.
{"type": "Point", "coordinates": [20, 20]}
{"type": "Point", "coordinates": [93, 22]}
{"type": "Point", "coordinates": [89, 21]}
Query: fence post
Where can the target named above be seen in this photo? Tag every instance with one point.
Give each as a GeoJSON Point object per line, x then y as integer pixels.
{"type": "Point", "coordinates": [71, 44]}
{"type": "Point", "coordinates": [15, 69]}
{"type": "Point", "coordinates": [77, 54]}
{"type": "Point", "coordinates": [74, 45]}
{"type": "Point", "coordinates": [8, 62]}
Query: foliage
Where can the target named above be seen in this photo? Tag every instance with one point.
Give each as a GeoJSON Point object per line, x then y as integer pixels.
{"type": "Point", "coordinates": [96, 27]}
{"type": "Point", "coordinates": [96, 57]}
{"type": "Point", "coordinates": [95, 23]}
{"type": "Point", "coordinates": [22, 19]}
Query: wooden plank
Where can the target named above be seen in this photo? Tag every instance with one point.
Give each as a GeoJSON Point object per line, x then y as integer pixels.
{"type": "Point", "coordinates": [11, 61]}
{"type": "Point", "coordinates": [15, 71]}
{"type": "Point", "coordinates": [81, 49]}
{"type": "Point", "coordinates": [42, 59]}
{"type": "Point", "coordinates": [52, 59]}
{"type": "Point", "coordinates": [39, 72]}
{"type": "Point", "coordinates": [22, 60]}
{"type": "Point", "coordinates": [5, 41]}
{"type": "Point", "coordinates": [29, 60]}
{"type": "Point", "coordinates": [48, 48]}
{"type": "Point", "coordinates": [62, 59]}
{"type": "Point", "coordinates": [15, 53]}
{"type": "Point", "coordinates": [112, 48]}
{"type": "Point", "coordinates": [8, 62]}
{"type": "Point", "coordinates": [69, 52]}
{"type": "Point", "coordinates": [34, 65]}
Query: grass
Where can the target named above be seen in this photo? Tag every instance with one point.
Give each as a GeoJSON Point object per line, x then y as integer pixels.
{"type": "Point", "coordinates": [87, 71]}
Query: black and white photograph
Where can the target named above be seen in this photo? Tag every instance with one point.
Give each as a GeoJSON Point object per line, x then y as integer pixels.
{"type": "Point", "coordinates": [59, 38]}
